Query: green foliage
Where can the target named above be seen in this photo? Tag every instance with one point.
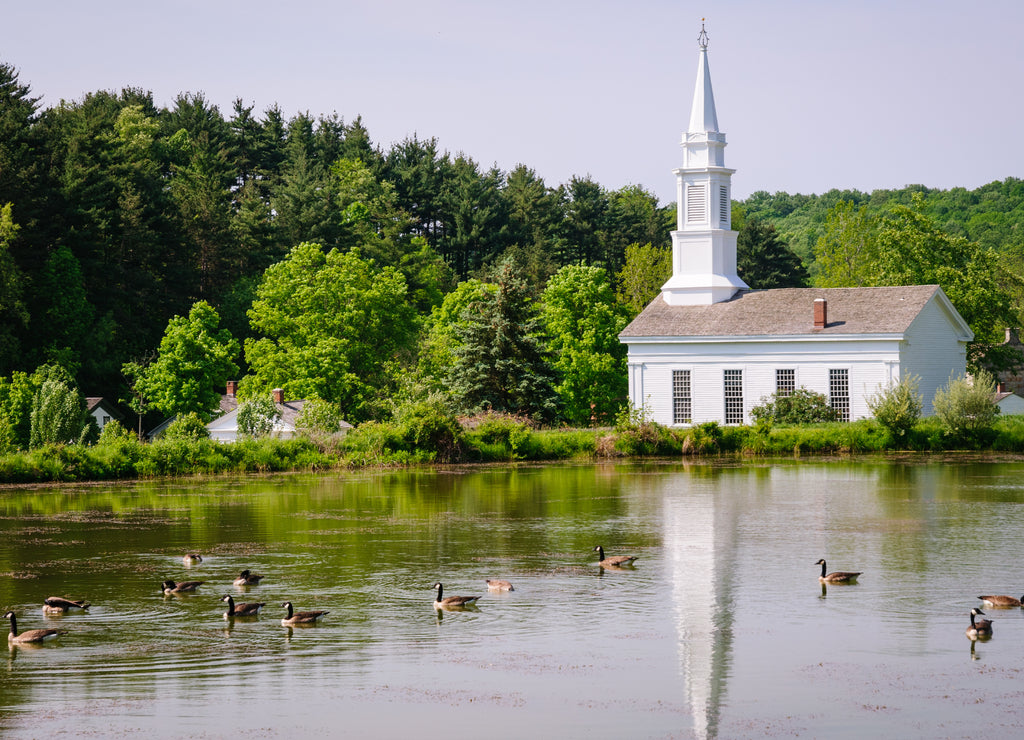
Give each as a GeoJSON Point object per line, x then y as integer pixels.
{"type": "Point", "coordinates": [58, 414]}
{"type": "Point", "coordinates": [257, 417]}
{"type": "Point", "coordinates": [703, 439]}
{"type": "Point", "coordinates": [847, 252]}
{"type": "Point", "coordinates": [319, 418]}
{"type": "Point", "coordinates": [114, 433]}
{"type": "Point", "coordinates": [13, 314]}
{"type": "Point", "coordinates": [966, 407]}
{"type": "Point", "coordinates": [331, 324]}
{"type": "Point", "coordinates": [500, 362]}
{"type": "Point", "coordinates": [189, 426]}
{"type": "Point", "coordinates": [446, 322]}
{"type": "Point", "coordinates": [764, 260]}
{"type": "Point", "coordinates": [801, 406]}
{"type": "Point", "coordinates": [897, 407]}
{"type": "Point", "coordinates": [429, 427]}
{"type": "Point", "coordinates": [646, 269]}
{"type": "Point", "coordinates": [583, 323]}
{"type": "Point", "coordinates": [196, 358]}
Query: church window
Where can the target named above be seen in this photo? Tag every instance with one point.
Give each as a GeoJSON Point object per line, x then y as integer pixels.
{"type": "Point", "coordinates": [733, 396]}
{"type": "Point", "coordinates": [681, 404]}
{"type": "Point", "coordinates": [785, 382]}
{"type": "Point", "coordinates": [839, 392]}
{"type": "Point", "coordinates": [724, 215]}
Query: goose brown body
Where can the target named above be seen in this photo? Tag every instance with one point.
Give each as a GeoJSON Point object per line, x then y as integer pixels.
{"type": "Point", "coordinates": [180, 587]}
{"type": "Point", "coordinates": [494, 584]}
{"type": "Point", "coordinates": [28, 636]}
{"type": "Point", "coordinates": [190, 558]}
{"type": "Point", "coordinates": [60, 605]}
{"type": "Point", "coordinates": [246, 578]}
{"type": "Point", "coordinates": [295, 617]}
{"type": "Point", "coordinates": [1002, 601]}
{"type": "Point", "coordinates": [241, 610]}
{"type": "Point", "coordinates": [451, 602]}
{"type": "Point", "coordinates": [837, 576]}
{"type": "Point", "coordinates": [615, 561]}
{"type": "Point", "coordinates": [979, 628]}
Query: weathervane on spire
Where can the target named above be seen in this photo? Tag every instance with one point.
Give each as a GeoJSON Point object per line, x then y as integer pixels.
{"type": "Point", "coordinates": [702, 39]}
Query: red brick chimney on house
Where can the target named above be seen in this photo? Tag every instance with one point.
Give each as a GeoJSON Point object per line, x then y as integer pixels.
{"type": "Point", "coordinates": [279, 395]}
{"type": "Point", "coordinates": [232, 388]}
{"type": "Point", "coordinates": [820, 313]}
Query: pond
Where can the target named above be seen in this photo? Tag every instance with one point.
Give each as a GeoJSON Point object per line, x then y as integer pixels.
{"type": "Point", "coordinates": [719, 629]}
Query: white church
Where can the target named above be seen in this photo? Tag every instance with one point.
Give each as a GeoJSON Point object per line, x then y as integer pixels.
{"type": "Point", "coordinates": [709, 348]}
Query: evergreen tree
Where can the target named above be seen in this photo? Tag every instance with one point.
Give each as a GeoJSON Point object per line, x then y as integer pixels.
{"type": "Point", "coordinates": [763, 261]}
{"type": "Point", "coordinates": [500, 362]}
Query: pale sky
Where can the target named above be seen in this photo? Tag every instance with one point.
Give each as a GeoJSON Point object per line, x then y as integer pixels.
{"type": "Point", "coordinates": [812, 94]}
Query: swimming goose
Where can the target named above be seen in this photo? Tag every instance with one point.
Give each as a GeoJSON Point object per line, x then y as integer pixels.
{"type": "Point", "coordinates": [58, 605]}
{"type": "Point", "coordinates": [980, 628]}
{"type": "Point", "coordinates": [190, 558]}
{"type": "Point", "coordinates": [240, 610]}
{"type": "Point", "coordinates": [180, 587]}
{"type": "Point", "coordinates": [615, 561]}
{"type": "Point", "coordinates": [245, 578]}
{"type": "Point", "coordinates": [1002, 601]}
{"type": "Point", "coordinates": [294, 618]}
{"type": "Point", "coordinates": [451, 602]}
{"type": "Point", "coordinates": [28, 635]}
{"type": "Point", "coordinates": [836, 576]}
{"type": "Point", "coordinates": [499, 585]}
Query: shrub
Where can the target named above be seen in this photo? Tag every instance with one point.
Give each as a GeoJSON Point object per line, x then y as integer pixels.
{"type": "Point", "coordinates": [966, 407]}
{"type": "Point", "coordinates": [188, 426]}
{"type": "Point", "coordinates": [58, 414]}
{"type": "Point", "coordinates": [257, 417]}
{"type": "Point", "coordinates": [897, 407]}
{"type": "Point", "coordinates": [800, 406]}
{"type": "Point", "coordinates": [319, 418]}
{"type": "Point", "coordinates": [429, 427]}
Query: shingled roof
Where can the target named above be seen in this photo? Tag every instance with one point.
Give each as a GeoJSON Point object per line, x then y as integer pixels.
{"type": "Point", "coordinates": [787, 312]}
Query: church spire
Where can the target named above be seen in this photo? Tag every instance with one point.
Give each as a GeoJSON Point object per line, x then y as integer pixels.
{"type": "Point", "coordinates": [702, 115]}
{"type": "Point", "coordinates": [703, 244]}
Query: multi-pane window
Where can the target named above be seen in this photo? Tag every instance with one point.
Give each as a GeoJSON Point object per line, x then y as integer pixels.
{"type": "Point", "coordinates": [733, 396]}
{"type": "Point", "coordinates": [785, 382]}
{"type": "Point", "coordinates": [681, 405]}
{"type": "Point", "coordinates": [839, 392]}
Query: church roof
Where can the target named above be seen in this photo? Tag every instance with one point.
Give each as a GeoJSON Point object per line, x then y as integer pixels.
{"type": "Point", "coordinates": [790, 312]}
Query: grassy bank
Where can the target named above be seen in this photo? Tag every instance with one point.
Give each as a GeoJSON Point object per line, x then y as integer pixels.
{"type": "Point", "coordinates": [497, 440]}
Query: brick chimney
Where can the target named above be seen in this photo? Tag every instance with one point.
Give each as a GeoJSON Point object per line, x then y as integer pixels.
{"type": "Point", "coordinates": [820, 313]}
{"type": "Point", "coordinates": [232, 388]}
{"type": "Point", "coordinates": [279, 395]}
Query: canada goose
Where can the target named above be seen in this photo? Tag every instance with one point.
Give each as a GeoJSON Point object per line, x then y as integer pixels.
{"type": "Point", "coordinates": [451, 602]}
{"type": "Point", "coordinates": [245, 578]}
{"type": "Point", "coordinates": [980, 628]}
{"type": "Point", "coordinates": [294, 618]}
{"type": "Point", "coordinates": [191, 558]}
{"type": "Point", "coordinates": [241, 610]}
{"type": "Point", "coordinates": [836, 576]}
{"type": "Point", "coordinates": [180, 587]}
{"type": "Point", "coordinates": [615, 561]}
{"type": "Point", "coordinates": [29, 635]}
{"type": "Point", "coordinates": [499, 585]}
{"type": "Point", "coordinates": [1001, 601]}
{"type": "Point", "coordinates": [58, 605]}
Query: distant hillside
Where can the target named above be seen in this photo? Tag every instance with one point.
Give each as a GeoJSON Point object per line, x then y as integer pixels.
{"type": "Point", "coordinates": [992, 215]}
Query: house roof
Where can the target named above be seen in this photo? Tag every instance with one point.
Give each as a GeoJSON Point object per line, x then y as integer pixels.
{"type": "Point", "coordinates": [790, 312]}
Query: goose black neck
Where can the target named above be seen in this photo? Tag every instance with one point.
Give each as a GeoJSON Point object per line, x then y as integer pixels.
{"type": "Point", "coordinates": [822, 568]}
{"type": "Point", "coordinates": [231, 604]}
{"type": "Point", "coordinates": [600, 552]}
{"type": "Point", "coordinates": [440, 590]}
{"type": "Point", "coordinates": [14, 625]}
{"type": "Point", "coordinates": [972, 619]}
{"type": "Point", "coordinates": [288, 606]}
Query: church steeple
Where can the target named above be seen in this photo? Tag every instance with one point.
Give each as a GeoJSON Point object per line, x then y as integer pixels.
{"type": "Point", "coordinates": [703, 245]}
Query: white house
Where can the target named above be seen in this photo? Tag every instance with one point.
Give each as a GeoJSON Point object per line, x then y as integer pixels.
{"type": "Point", "coordinates": [102, 410]}
{"type": "Point", "coordinates": [709, 349]}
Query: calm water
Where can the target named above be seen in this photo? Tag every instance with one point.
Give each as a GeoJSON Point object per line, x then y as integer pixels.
{"type": "Point", "coordinates": [720, 630]}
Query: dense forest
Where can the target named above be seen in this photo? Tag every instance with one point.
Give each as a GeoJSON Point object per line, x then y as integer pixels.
{"type": "Point", "coordinates": [310, 258]}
